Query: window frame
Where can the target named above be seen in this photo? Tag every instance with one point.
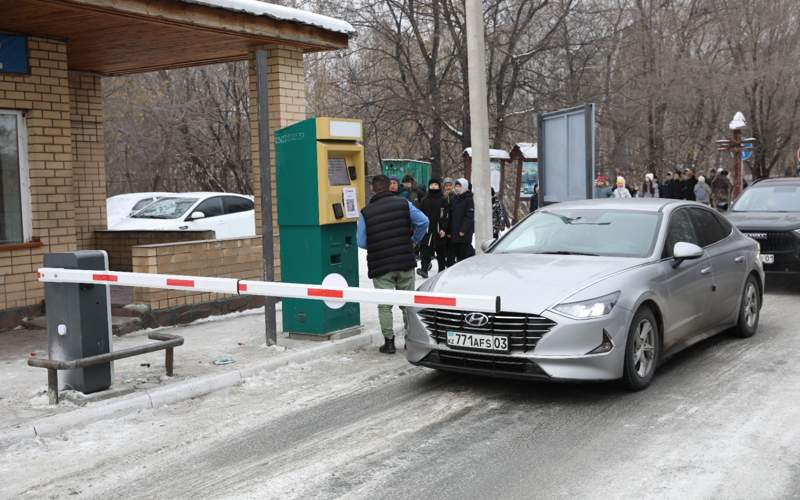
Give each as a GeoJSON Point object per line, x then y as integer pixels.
{"type": "Point", "coordinates": [666, 252]}
{"type": "Point", "coordinates": [206, 200]}
{"type": "Point", "coordinates": [24, 176]}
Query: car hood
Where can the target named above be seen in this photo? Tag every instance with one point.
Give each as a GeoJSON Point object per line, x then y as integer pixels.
{"type": "Point", "coordinates": [528, 283]}
{"type": "Point", "coordinates": [764, 221]}
{"type": "Point", "coordinates": [131, 224]}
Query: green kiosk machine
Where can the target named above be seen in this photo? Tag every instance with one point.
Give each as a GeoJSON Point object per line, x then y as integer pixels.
{"type": "Point", "coordinates": [320, 179]}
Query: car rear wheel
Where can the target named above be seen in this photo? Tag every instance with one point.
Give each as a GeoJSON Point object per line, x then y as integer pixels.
{"type": "Point", "coordinates": [749, 310]}
{"type": "Point", "coordinates": [642, 350]}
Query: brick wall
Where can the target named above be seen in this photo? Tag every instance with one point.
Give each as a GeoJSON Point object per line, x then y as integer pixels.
{"type": "Point", "coordinates": [43, 95]}
{"type": "Point", "coordinates": [234, 258]}
{"type": "Point", "coordinates": [286, 98]}
{"type": "Point", "coordinates": [88, 156]}
{"type": "Point", "coordinates": [118, 244]}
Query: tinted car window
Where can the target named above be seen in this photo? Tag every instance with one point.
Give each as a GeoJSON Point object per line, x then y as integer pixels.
{"type": "Point", "coordinates": [708, 228]}
{"type": "Point", "coordinates": [235, 204]}
{"type": "Point", "coordinates": [680, 229]}
{"type": "Point", "coordinates": [212, 207]}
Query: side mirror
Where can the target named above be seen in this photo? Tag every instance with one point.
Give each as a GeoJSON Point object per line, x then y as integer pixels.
{"type": "Point", "coordinates": [197, 215]}
{"type": "Point", "coordinates": [486, 245]}
{"type": "Point", "coordinates": [685, 251]}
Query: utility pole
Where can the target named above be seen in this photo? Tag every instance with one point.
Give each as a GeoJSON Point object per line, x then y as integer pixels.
{"type": "Point", "coordinates": [479, 122]}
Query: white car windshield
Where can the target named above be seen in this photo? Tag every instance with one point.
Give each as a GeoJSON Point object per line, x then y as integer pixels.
{"type": "Point", "coordinates": [612, 233]}
{"type": "Point", "coordinates": [166, 208]}
{"type": "Point", "coordinates": [769, 199]}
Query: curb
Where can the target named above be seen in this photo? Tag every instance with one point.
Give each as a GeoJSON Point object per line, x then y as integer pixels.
{"type": "Point", "coordinates": [180, 391]}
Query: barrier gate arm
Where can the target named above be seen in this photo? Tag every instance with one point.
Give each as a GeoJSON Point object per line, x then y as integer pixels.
{"type": "Point", "coordinates": [233, 286]}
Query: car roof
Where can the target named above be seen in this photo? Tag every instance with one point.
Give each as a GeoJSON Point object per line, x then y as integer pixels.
{"type": "Point", "coordinates": [771, 181]}
{"type": "Point", "coordinates": [638, 204]}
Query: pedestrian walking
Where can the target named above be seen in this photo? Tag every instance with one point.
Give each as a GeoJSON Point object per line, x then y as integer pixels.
{"type": "Point", "coordinates": [388, 228]}
{"type": "Point", "coordinates": [649, 187]}
{"type": "Point", "coordinates": [462, 221]}
{"type": "Point", "coordinates": [721, 191]}
{"type": "Point", "coordinates": [500, 221]}
{"type": "Point", "coordinates": [621, 191]}
{"type": "Point", "coordinates": [702, 191]}
{"type": "Point", "coordinates": [436, 209]}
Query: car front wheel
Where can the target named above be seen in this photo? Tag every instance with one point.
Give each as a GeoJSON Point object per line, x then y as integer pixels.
{"type": "Point", "coordinates": [642, 350]}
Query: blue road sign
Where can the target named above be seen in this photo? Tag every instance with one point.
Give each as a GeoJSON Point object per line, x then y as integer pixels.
{"type": "Point", "coordinates": [747, 153]}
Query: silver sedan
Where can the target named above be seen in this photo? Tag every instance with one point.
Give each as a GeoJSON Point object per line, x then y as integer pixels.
{"type": "Point", "coordinates": [595, 290]}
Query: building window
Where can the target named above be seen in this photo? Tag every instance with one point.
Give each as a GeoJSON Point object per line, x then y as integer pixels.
{"type": "Point", "coordinates": [15, 199]}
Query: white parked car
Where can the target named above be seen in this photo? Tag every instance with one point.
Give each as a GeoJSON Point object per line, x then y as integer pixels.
{"type": "Point", "coordinates": [229, 215]}
{"type": "Point", "coordinates": [122, 206]}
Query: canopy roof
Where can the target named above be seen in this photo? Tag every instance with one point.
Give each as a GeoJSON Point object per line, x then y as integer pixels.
{"type": "Point", "coordinates": [113, 37]}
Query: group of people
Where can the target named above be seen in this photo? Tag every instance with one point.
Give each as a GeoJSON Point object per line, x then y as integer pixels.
{"type": "Point", "coordinates": [684, 184]}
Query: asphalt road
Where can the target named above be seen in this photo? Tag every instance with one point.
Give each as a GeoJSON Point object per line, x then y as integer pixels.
{"type": "Point", "coordinates": [720, 421]}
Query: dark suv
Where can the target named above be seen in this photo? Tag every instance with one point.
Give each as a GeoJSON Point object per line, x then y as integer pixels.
{"type": "Point", "coordinates": [769, 212]}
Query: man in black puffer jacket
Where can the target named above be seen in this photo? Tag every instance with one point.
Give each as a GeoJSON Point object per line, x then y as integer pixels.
{"type": "Point", "coordinates": [462, 220]}
{"type": "Point", "coordinates": [388, 228]}
{"type": "Point", "coordinates": [435, 208]}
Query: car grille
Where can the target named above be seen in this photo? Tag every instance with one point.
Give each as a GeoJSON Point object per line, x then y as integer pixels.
{"type": "Point", "coordinates": [501, 364]}
{"type": "Point", "coordinates": [523, 330]}
{"type": "Point", "coordinates": [774, 241]}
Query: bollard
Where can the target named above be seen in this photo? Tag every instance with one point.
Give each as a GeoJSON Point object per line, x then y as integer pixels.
{"type": "Point", "coordinates": [78, 322]}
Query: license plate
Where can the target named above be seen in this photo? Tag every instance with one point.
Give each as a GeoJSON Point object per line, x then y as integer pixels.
{"type": "Point", "coordinates": [478, 341]}
{"type": "Point", "coordinates": [767, 258]}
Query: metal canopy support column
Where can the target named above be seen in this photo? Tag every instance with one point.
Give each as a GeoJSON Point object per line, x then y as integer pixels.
{"type": "Point", "coordinates": [270, 323]}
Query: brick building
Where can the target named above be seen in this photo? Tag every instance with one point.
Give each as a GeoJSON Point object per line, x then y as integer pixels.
{"type": "Point", "coordinates": [53, 182]}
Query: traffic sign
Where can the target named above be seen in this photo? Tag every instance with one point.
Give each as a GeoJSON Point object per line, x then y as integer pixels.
{"type": "Point", "coordinates": [748, 151]}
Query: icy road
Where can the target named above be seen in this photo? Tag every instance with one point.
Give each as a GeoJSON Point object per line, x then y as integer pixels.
{"type": "Point", "coordinates": [721, 421]}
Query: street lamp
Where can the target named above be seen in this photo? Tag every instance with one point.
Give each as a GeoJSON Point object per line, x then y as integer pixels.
{"type": "Point", "coordinates": [736, 145]}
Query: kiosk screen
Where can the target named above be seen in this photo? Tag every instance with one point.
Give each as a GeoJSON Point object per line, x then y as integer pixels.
{"type": "Point", "coordinates": [337, 172]}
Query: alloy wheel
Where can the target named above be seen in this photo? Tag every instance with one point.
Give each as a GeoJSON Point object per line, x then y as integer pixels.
{"type": "Point", "coordinates": [644, 350]}
{"type": "Point", "coordinates": [750, 305]}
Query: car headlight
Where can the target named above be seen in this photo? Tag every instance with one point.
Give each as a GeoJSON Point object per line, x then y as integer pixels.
{"type": "Point", "coordinates": [587, 309]}
{"type": "Point", "coordinates": [797, 232]}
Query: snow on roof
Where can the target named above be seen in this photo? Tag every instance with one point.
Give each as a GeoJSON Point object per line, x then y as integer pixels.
{"type": "Point", "coordinates": [494, 154]}
{"type": "Point", "coordinates": [280, 13]}
{"type": "Point", "coordinates": [528, 149]}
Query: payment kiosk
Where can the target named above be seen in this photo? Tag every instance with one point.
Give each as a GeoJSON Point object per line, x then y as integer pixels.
{"type": "Point", "coordinates": [320, 188]}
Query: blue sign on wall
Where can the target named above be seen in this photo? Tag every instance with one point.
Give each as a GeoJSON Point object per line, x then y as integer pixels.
{"type": "Point", "coordinates": [13, 54]}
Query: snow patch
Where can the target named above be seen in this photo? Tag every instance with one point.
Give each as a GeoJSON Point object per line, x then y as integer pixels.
{"type": "Point", "coordinates": [494, 154]}
{"type": "Point", "coordinates": [280, 13]}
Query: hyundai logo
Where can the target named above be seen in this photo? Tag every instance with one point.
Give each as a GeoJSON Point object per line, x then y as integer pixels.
{"type": "Point", "coordinates": [477, 319]}
{"type": "Point", "coordinates": [757, 236]}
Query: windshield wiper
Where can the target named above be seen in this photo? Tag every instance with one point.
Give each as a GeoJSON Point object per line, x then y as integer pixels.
{"type": "Point", "coordinates": [565, 252]}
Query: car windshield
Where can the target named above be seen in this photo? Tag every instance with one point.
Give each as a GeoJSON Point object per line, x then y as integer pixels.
{"type": "Point", "coordinates": [769, 199]}
{"type": "Point", "coordinates": [612, 233]}
{"type": "Point", "coordinates": [166, 208]}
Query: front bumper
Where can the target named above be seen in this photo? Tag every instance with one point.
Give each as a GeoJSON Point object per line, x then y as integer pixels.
{"type": "Point", "coordinates": [561, 354]}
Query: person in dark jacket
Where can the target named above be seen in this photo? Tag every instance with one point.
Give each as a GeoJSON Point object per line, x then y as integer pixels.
{"type": "Point", "coordinates": [462, 221]}
{"type": "Point", "coordinates": [675, 186]}
{"type": "Point", "coordinates": [387, 228]}
{"type": "Point", "coordinates": [436, 209]}
{"type": "Point", "coordinates": [500, 221]}
{"type": "Point", "coordinates": [689, 182]}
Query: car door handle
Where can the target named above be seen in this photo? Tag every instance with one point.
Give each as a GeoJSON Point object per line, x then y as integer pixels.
{"type": "Point", "coordinates": [183, 227]}
{"type": "Point", "coordinates": [705, 270]}
{"type": "Point", "coordinates": [739, 259]}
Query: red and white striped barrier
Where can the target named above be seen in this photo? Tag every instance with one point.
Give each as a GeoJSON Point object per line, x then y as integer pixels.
{"type": "Point", "coordinates": [480, 303]}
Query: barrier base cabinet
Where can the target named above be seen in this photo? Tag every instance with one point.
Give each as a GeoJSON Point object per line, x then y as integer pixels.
{"type": "Point", "coordinates": [317, 251]}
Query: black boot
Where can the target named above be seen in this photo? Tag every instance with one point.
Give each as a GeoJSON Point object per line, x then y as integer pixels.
{"type": "Point", "coordinates": [388, 346]}
{"type": "Point", "coordinates": [422, 273]}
